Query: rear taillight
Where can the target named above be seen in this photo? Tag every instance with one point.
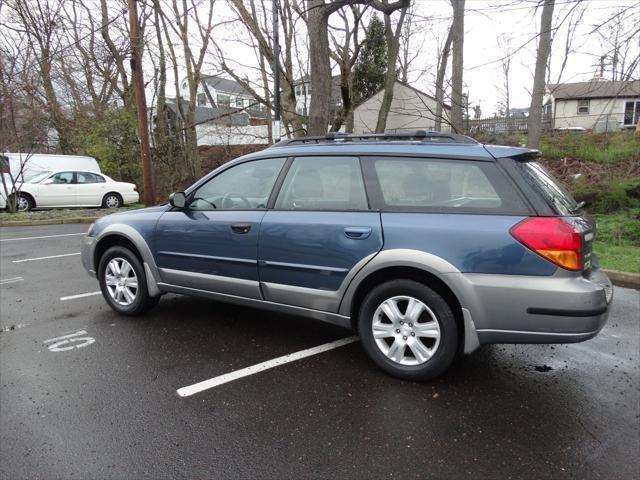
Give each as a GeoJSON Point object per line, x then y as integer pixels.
{"type": "Point", "coordinates": [552, 238]}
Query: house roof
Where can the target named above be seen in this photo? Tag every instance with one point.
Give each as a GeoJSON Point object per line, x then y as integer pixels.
{"type": "Point", "coordinates": [225, 85]}
{"type": "Point", "coordinates": [594, 89]}
{"type": "Point", "coordinates": [218, 115]}
{"type": "Point", "coordinates": [420, 92]}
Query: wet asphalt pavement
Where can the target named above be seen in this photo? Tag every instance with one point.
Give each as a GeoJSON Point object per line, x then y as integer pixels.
{"type": "Point", "coordinates": [109, 409]}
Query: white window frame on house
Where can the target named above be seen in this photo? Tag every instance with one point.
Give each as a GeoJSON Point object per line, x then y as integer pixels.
{"type": "Point", "coordinates": [202, 99]}
{"type": "Point", "coordinates": [584, 106]}
{"type": "Point", "coordinates": [635, 112]}
{"type": "Point", "coordinates": [223, 100]}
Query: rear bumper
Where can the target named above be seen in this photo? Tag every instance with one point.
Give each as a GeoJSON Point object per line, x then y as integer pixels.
{"type": "Point", "coordinates": [563, 308]}
{"type": "Point", "coordinates": [130, 197]}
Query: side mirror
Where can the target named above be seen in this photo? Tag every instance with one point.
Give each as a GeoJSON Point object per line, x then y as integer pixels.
{"type": "Point", "coordinates": [48, 181]}
{"type": "Point", "coordinates": [178, 200]}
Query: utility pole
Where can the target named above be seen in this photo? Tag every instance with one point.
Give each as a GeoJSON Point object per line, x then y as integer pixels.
{"type": "Point", "coordinates": [141, 104]}
{"type": "Point", "coordinates": [276, 76]}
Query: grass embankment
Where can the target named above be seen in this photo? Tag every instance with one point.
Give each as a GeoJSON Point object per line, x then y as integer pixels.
{"type": "Point", "coordinates": [603, 169]}
{"type": "Point", "coordinates": [63, 213]}
{"type": "Point", "coordinates": [604, 148]}
{"type": "Point", "coordinates": [618, 241]}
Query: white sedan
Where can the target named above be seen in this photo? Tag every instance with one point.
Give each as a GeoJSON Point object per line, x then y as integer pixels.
{"type": "Point", "coordinates": [64, 188]}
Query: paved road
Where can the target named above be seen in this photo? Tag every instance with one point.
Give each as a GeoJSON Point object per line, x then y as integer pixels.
{"type": "Point", "coordinates": [109, 409]}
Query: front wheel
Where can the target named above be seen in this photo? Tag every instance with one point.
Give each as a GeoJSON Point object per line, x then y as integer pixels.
{"type": "Point", "coordinates": [408, 330]}
{"type": "Point", "coordinates": [24, 203]}
{"type": "Point", "coordinates": [123, 282]}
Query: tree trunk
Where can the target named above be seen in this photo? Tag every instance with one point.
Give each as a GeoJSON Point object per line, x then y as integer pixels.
{"type": "Point", "coordinates": [457, 64]}
{"type": "Point", "coordinates": [534, 123]}
{"type": "Point", "coordinates": [317, 25]}
{"type": "Point", "coordinates": [442, 71]}
{"type": "Point", "coordinates": [393, 45]}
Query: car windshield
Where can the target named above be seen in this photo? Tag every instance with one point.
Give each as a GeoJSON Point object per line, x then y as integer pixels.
{"type": "Point", "coordinates": [36, 177]}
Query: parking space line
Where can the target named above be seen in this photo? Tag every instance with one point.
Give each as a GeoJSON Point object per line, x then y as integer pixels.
{"type": "Point", "coordinates": [36, 238]}
{"type": "Point", "coordinates": [81, 295]}
{"type": "Point", "coordinates": [11, 280]}
{"type": "Point", "coordinates": [260, 367]}
{"type": "Point", "coordinates": [46, 258]}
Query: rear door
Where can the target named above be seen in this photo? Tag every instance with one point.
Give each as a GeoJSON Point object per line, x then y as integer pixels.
{"type": "Point", "coordinates": [320, 230]}
{"type": "Point", "coordinates": [91, 188]}
{"type": "Point", "coordinates": [57, 191]}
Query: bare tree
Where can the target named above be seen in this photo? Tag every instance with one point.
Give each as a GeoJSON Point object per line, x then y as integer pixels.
{"type": "Point", "coordinates": [393, 45]}
{"type": "Point", "coordinates": [574, 19]}
{"type": "Point", "coordinates": [345, 54]}
{"type": "Point", "coordinates": [408, 52]}
{"type": "Point", "coordinates": [41, 22]}
{"type": "Point", "coordinates": [534, 122]}
{"type": "Point", "coordinates": [442, 71]}
{"type": "Point", "coordinates": [457, 65]}
{"type": "Point", "coordinates": [184, 19]}
{"type": "Point", "coordinates": [618, 36]}
{"type": "Point", "coordinates": [504, 101]}
{"type": "Point", "coordinates": [318, 13]}
{"type": "Point", "coordinates": [255, 20]}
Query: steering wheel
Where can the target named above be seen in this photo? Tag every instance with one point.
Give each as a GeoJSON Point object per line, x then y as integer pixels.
{"type": "Point", "coordinates": [195, 199]}
{"type": "Point", "coordinates": [230, 196]}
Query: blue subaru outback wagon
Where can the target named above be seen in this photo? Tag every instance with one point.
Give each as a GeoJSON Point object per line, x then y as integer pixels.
{"type": "Point", "coordinates": [425, 244]}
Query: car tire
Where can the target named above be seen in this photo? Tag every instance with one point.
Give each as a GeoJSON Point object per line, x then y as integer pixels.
{"type": "Point", "coordinates": [112, 200]}
{"type": "Point", "coordinates": [25, 203]}
{"type": "Point", "coordinates": [118, 270]}
{"type": "Point", "coordinates": [395, 348]}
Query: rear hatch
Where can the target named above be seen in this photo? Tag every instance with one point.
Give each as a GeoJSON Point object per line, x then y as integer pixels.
{"type": "Point", "coordinates": [563, 203]}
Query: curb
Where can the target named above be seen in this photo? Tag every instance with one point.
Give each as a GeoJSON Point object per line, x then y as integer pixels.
{"type": "Point", "coordinates": [49, 221]}
{"type": "Point", "coordinates": [624, 279]}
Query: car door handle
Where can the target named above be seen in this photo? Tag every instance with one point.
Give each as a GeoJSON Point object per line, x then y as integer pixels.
{"type": "Point", "coordinates": [240, 227]}
{"type": "Point", "coordinates": [359, 233]}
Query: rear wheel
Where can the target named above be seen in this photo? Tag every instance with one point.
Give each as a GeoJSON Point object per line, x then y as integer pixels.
{"type": "Point", "coordinates": [112, 200]}
{"type": "Point", "coordinates": [123, 282]}
{"type": "Point", "coordinates": [408, 330]}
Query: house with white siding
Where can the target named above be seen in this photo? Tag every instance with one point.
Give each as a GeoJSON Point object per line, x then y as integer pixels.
{"type": "Point", "coordinates": [411, 110]}
{"type": "Point", "coordinates": [600, 105]}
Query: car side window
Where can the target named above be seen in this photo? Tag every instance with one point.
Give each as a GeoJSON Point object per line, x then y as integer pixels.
{"type": "Point", "coordinates": [62, 178]}
{"type": "Point", "coordinates": [443, 185]}
{"type": "Point", "coordinates": [87, 177]}
{"type": "Point", "coordinates": [246, 186]}
{"type": "Point", "coordinates": [323, 183]}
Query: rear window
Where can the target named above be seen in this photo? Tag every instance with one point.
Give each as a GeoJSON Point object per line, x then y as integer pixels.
{"type": "Point", "coordinates": [444, 185]}
{"type": "Point", "coordinates": [551, 189]}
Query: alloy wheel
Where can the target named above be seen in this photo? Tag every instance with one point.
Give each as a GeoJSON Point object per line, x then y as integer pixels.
{"type": "Point", "coordinates": [121, 281]}
{"type": "Point", "coordinates": [405, 330]}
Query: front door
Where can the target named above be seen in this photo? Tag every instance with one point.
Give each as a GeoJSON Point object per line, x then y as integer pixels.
{"type": "Point", "coordinates": [319, 234]}
{"type": "Point", "coordinates": [212, 244]}
{"type": "Point", "coordinates": [57, 190]}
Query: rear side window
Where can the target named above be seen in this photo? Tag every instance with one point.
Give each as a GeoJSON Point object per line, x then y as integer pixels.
{"type": "Point", "coordinates": [551, 189]}
{"type": "Point", "coordinates": [323, 183]}
{"type": "Point", "coordinates": [86, 177]}
{"type": "Point", "coordinates": [444, 185]}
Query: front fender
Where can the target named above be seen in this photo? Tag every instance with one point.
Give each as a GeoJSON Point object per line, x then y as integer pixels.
{"type": "Point", "coordinates": [135, 237]}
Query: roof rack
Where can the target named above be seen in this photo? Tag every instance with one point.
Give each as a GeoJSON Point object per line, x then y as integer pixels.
{"type": "Point", "coordinates": [417, 136]}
